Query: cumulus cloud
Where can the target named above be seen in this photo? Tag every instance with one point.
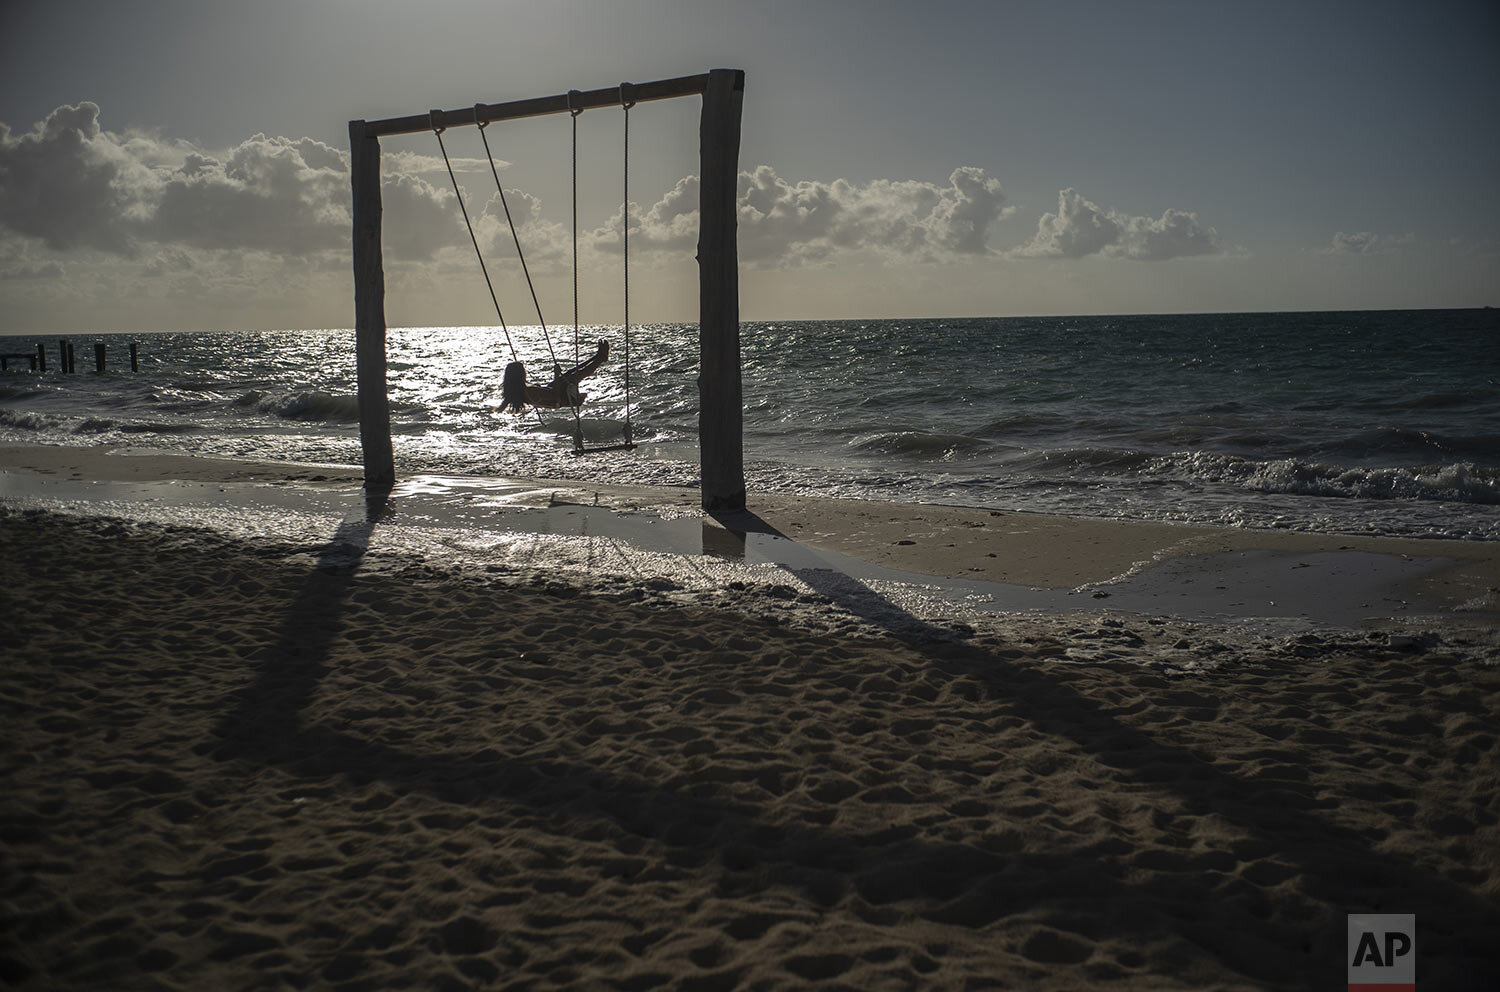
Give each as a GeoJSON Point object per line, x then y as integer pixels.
{"type": "Point", "coordinates": [964, 212]}
{"type": "Point", "coordinates": [272, 194]}
{"type": "Point", "coordinates": [1366, 243]}
{"type": "Point", "coordinates": [67, 184]}
{"type": "Point", "coordinates": [73, 185]}
{"type": "Point", "coordinates": [1176, 234]}
{"type": "Point", "coordinates": [70, 185]}
{"type": "Point", "coordinates": [419, 218]}
{"type": "Point", "coordinates": [1081, 228]}
{"type": "Point", "coordinates": [810, 220]}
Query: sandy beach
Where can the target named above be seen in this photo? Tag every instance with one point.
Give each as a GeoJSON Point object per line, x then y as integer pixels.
{"type": "Point", "coordinates": [235, 762]}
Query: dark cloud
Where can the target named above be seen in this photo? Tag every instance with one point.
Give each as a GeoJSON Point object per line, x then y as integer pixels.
{"type": "Point", "coordinates": [73, 185]}
{"type": "Point", "coordinates": [419, 218]}
{"type": "Point", "coordinates": [265, 197]}
{"type": "Point", "coordinates": [65, 183]}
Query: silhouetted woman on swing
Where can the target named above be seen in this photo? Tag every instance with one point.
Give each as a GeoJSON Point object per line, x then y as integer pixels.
{"type": "Point", "coordinates": [562, 391]}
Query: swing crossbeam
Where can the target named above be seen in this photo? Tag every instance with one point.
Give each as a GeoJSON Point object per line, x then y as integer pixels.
{"type": "Point", "coordinates": [720, 405]}
{"type": "Point", "coordinates": [485, 113]}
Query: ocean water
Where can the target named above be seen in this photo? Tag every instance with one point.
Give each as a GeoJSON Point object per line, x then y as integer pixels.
{"type": "Point", "coordinates": [1354, 422]}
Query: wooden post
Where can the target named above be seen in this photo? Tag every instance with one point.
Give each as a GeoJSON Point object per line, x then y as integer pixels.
{"type": "Point", "coordinates": [98, 356]}
{"type": "Point", "coordinates": [135, 365]}
{"type": "Point", "coordinates": [62, 355]}
{"type": "Point", "coordinates": [720, 403]}
{"type": "Point", "coordinates": [41, 356]}
{"type": "Point", "coordinates": [369, 311]}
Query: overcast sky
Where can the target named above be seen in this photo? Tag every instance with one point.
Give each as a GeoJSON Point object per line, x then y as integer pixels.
{"type": "Point", "coordinates": [171, 165]}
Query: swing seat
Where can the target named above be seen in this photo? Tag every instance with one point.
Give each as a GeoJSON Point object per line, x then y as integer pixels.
{"type": "Point", "coordinates": [597, 448]}
{"type": "Point", "coordinates": [580, 448]}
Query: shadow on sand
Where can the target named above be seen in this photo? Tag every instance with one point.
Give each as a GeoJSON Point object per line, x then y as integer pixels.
{"type": "Point", "coordinates": [956, 884]}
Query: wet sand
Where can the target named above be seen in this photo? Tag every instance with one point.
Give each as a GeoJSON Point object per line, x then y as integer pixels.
{"type": "Point", "coordinates": [242, 764]}
{"type": "Point", "coordinates": [1459, 580]}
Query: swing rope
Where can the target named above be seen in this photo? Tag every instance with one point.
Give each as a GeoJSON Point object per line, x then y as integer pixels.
{"type": "Point", "coordinates": [513, 235]}
{"type": "Point", "coordinates": [626, 102]}
{"type": "Point", "coordinates": [626, 90]}
{"type": "Point", "coordinates": [547, 337]}
{"type": "Point", "coordinates": [574, 112]}
{"type": "Point", "coordinates": [480, 255]}
{"type": "Point", "coordinates": [477, 253]}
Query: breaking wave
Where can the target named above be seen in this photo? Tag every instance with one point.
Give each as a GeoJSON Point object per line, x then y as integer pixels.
{"type": "Point", "coordinates": [916, 443]}
{"type": "Point", "coordinates": [25, 421]}
{"type": "Point", "coordinates": [313, 404]}
{"type": "Point", "coordinates": [1462, 482]}
{"type": "Point", "coordinates": [105, 425]}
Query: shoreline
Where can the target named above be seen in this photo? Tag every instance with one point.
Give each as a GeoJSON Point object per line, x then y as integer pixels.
{"type": "Point", "coordinates": [1125, 567]}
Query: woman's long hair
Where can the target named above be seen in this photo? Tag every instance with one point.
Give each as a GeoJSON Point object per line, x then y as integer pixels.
{"type": "Point", "coordinates": [513, 387]}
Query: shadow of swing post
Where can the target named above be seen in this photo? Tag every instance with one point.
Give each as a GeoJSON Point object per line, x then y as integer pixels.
{"type": "Point", "coordinates": [958, 883]}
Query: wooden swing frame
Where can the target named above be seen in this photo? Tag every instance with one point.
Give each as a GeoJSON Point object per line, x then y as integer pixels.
{"type": "Point", "coordinates": [720, 398]}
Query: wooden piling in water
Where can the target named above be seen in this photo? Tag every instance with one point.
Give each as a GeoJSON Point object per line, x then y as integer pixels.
{"type": "Point", "coordinates": [135, 365]}
{"type": "Point", "coordinates": [98, 356]}
{"type": "Point", "coordinates": [41, 356]}
{"type": "Point", "coordinates": [72, 357]}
